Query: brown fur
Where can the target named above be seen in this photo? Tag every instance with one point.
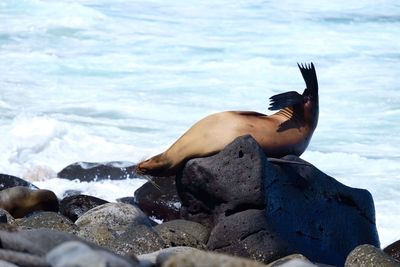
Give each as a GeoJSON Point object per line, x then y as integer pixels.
{"type": "Point", "coordinates": [20, 201]}
{"type": "Point", "coordinates": [286, 132]}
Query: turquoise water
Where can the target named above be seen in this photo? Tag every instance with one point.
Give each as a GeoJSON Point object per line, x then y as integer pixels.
{"type": "Point", "coordinates": [121, 80]}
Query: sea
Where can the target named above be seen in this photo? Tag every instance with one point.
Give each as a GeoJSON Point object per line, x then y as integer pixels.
{"type": "Point", "coordinates": [112, 80]}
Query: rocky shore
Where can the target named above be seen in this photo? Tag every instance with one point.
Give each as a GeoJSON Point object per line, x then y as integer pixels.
{"type": "Point", "coordinates": [236, 208]}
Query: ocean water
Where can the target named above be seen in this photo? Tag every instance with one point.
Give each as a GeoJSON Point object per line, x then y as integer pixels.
{"type": "Point", "coordinates": [122, 80]}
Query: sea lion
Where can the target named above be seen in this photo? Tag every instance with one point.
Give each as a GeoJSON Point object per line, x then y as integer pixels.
{"type": "Point", "coordinates": [286, 132]}
{"type": "Point", "coordinates": [20, 201]}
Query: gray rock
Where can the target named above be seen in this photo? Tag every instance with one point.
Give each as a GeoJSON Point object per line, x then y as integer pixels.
{"type": "Point", "coordinates": [121, 227]}
{"type": "Point", "coordinates": [7, 264]}
{"type": "Point", "coordinates": [22, 259]}
{"type": "Point", "coordinates": [8, 227]}
{"type": "Point", "coordinates": [283, 208]}
{"type": "Point", "coordinates": [48, 220]}
{"type": "Point", "coordinates": [138, 239]}
{"type": "Point", "coordinates": [295, 263]}
{"type": "Point", "coordinates": [78, 254]}
{"type": "Point", "coordinates": [35, 241]}
{"type": "Point", "coordinates": [294, 260]}
{"type": "Point", "coordinates": [201, 259]}
{"type": "Point", "coordinates": [183, 233]}
{"type": "Point", "coordinates": [161, 256]}
{"type": "Point", "coordinates": [115, 216]}
{"type": "Point", "coordinates": [368, 255]}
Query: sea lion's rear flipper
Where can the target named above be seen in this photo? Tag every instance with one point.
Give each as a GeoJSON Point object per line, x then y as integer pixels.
{"type": "Point", "coordinates": [284, 100]}
{"type": "Point", "coordinates": [309, 76]}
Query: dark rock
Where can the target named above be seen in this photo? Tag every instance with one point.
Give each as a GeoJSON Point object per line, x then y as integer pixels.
{"type": "Point", "coordinates": [22, 259]}
{"type": "Point", "coordinates": [4, 216]}
{"type": "Point", "coordinates": [368, 255]}
{"type": "Point", "coordinates": [283, 208]}
{"type": "Point", "coordinates": [78, 254]}
{"type": "Point", "coordinates": [183, 233]}
{"type": "Point", "coordinates": [71, 192]}
{"type": "Point", "coordinates": [160, 201]}
{"type": "Point", "coordinates": [75, 206]}
{"type": "Point", "coordinates": [89, 171]}
{"type": "Point", "coordinates": [48, 220]}
{"type": "Point", "coordinates": [393, 250]}
{"type": "Point", "coordinates": [228, 182]}
{"type": "Point", "coordinates": [121, 227]}
{"type": "Point", "coordinates": [7, 181]}
{"type": "Point", "coordinates": [9, 218]}
{"type": "Point", "coordinates": [247, 234]}
{"type": "Point", "coordinates": [20, 201]}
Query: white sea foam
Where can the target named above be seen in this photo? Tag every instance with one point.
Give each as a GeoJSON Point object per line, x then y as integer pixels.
{"type": "Point", "coordinates": [38, 146]}
{"type": "Point", "coordinates": [109, 190]}
{"type": "Point", "coordinates": [102, 81]}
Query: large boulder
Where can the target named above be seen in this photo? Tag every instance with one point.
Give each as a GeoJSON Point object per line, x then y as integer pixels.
{"type": "Point", "coordinates": [47, 220]}
{"type": "Point", "coordinates": [367, 255]}
{"type": "Point", "coordinates": [266, 211]}
{"type": "Point", "coordinates": [92, 171]}
{"type": "Point", "coordinates": [183, 233]}
{"type": "Point", "coordinates": [120, 227]}
{"type": "Point", "coordinates": [158, 257]}
{"type": "Point", "coordinates": [78, 254]}
{"type": "Point", "coordinates": [30, 247]}
{"type": "Point", "coordinates": [36, 241]}
{"type": "Point", "coordinates": [22, 259]}
{"type": "Point", "coordinates": [198, 258]}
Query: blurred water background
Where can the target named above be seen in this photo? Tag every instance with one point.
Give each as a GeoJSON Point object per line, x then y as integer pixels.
{"type": "Point", "coordinates": [121, 80]}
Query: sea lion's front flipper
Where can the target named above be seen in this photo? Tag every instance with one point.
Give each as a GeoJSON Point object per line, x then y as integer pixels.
{"type": "Point", "coordinates": [284, 100]}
